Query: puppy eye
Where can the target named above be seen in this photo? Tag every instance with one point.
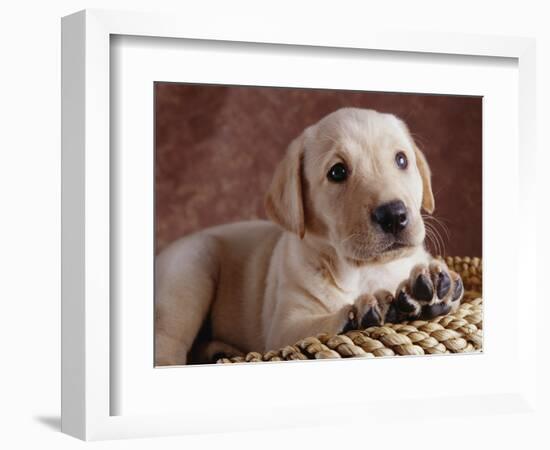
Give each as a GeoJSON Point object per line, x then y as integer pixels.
{"type": "Point", "coordinates": [338, 173]}
{"type": "Point", "coordinates": [401, 160]}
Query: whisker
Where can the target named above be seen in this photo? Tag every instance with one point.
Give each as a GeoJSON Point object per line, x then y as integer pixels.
{"type": "Point", "coordinates": [440, 222]}
{"type": "Point", "coordinates": [439, 243]}
{"type": "Point", "coordinates": [429, 235]}
{"type": "Point", "coordinates": [435, 242]}
{"type": "Point", "coordinates": [437, 226]}
{"type": "Point", "coordinates": [429, 238]}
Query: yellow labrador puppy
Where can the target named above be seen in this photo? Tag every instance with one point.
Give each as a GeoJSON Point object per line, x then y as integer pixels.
{"type": "Point", "coordinates": [345, 249]}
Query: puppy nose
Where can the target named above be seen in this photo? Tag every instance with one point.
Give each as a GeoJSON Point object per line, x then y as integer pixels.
{"type": "Point", "coordinates": [392, 217]}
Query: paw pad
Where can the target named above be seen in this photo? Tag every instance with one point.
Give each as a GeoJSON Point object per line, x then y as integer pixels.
{"type": "Point", "coordinates": [458, 290]}
{"type": "Point", "coordinates": [371, 318]}
{"type": "Point", "coordinates": [430, 292]}
{"type": "Point", "coordinates": [437, 309]}
{"type": "Point", "coordinates": [423, 288]}
{"type": "Point", "coordinates": [405, 304]}
{"type": "Point", "coordinates": [443, 284]}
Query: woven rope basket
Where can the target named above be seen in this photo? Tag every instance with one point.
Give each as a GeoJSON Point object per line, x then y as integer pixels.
{"type": "Point", "coordinates": [459, 332]}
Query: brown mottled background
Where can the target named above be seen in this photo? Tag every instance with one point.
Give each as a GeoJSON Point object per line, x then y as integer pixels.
{"type": "Point", "coordinates": [217, 146]}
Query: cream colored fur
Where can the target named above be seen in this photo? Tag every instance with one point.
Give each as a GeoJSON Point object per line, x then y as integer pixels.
{"type": "Point", "coordinates": [263, 285]}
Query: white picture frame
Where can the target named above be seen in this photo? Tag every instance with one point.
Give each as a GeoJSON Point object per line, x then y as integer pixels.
{"type": "Point", "coordinates": [88, 386]}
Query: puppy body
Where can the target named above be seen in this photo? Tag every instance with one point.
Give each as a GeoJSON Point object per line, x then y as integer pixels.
{"type": "Point", "coordinates": [263, 285]}
{"type": "Point", "coordinates": [311, 288]}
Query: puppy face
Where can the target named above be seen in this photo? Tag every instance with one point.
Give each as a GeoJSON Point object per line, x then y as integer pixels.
{"type": "Point", "coordinates": [356, 180]}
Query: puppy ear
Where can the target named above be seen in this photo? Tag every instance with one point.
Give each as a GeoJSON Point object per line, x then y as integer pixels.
{"type": "Point", "coordinates": [283, 201]}
{"type": "Point", "coordinates": [428, 202]}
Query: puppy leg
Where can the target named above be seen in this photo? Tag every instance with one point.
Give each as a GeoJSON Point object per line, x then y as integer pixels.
{"type": "Point", "coordinates": [186, 275]}
{"type": "Point", "coordinates": [369, 311]}
{"type": "Point", "coordinates": [431, 290]}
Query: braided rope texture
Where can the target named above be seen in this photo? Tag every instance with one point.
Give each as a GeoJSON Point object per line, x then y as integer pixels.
{"type": "Point", "coordinates": [460, 332]}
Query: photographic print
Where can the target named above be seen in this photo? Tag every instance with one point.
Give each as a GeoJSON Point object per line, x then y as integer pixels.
{"type": "Point", "coordinates": [300, 224]}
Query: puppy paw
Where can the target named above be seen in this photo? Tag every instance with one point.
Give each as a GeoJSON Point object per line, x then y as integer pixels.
{"type": "Point", "coordinates": [431, 290]}
{"type": "Point", "coordinates": [367, 311]}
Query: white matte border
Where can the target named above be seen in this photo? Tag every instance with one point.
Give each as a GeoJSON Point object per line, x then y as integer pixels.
{"type": "Point", "coordinates": [140, 388]}
{"type": "Point", "coordinates": [94, 409]}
